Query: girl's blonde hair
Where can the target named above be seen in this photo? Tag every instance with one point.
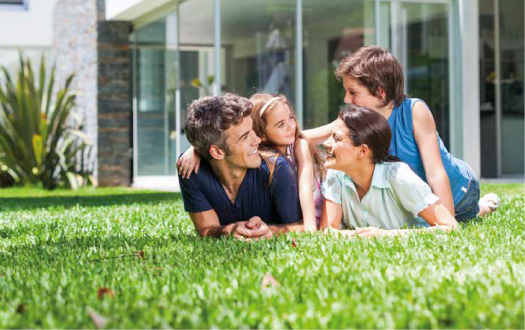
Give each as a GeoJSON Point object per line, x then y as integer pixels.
{"type": "Point", "coordinates": [267, 149]}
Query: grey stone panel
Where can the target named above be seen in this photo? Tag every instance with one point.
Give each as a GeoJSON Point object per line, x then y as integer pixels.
{"type": "Point", "coordinates": [99, 54]}
{"type": "Point", "coordinates": [114, 102]}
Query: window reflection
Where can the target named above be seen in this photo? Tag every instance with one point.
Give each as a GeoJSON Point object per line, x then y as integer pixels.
{"type": "Point", "coordinates": [258, 39]}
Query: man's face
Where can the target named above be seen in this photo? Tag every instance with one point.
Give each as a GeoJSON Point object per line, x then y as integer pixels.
{"type": "Point", "coordinates": [243, 145]}
{"type": "Point", "coordinates": [357, 94]}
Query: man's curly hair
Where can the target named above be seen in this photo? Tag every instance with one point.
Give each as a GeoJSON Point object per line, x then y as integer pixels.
{"type": "Point", "coordinates": [209, 116]}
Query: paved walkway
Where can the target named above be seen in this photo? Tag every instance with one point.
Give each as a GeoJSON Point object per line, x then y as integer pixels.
{"type": "Point", "coordinates": [505, 179]}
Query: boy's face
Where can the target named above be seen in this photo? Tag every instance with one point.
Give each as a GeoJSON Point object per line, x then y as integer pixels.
{"type": "Point", "coordinates": [359, 95]}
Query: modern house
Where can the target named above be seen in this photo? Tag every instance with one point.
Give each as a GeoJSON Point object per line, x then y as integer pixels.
{"type": "Point", "coordinates": [139, 63]}
{"type": "Point", "coordinates": [25, 26]}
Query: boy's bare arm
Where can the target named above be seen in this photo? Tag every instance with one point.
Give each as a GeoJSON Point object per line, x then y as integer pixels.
{"type": "Point", "coordinates": [426, 138]}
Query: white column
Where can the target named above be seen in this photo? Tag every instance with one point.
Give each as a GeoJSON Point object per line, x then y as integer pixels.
{"type": "Point", "coordinates": [217, 48]}
{"type": "Point", "coordinates": [299, 108]}
{"type": "Point", "coordinates": [469, 30]}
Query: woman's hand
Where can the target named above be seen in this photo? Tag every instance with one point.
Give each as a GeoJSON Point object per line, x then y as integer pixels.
{"type": "Point", "coordinates": [338, 233]}
{"type": "Point", "coordinates": [371, 232]}
{"type": "Point", "coordinates": [359, 232]}
{"type": "Point", "coordinates": [189, 161]}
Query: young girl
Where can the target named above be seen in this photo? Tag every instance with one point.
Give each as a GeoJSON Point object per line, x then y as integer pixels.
{"type": "Point", "coordinates": [373, 78]}
{"type": "Point", "coordinates": [366, 189]}
{"type": "Point", "coordinates": [274, 121]}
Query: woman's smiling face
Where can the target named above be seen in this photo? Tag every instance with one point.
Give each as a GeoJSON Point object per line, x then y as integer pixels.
{"type": "Point", "coordinates": [341, 152]}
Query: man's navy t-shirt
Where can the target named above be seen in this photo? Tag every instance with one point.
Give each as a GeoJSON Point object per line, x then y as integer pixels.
{"type": "Point", "coordinates": [277, 203]}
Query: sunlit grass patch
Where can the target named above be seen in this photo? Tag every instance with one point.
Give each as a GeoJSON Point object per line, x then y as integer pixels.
{"type": "Point", "coordinates": [59, 249]}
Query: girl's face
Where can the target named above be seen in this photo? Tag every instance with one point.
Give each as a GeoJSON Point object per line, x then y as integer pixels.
{"type": "Point", "coordinates": [357, 94]}
{"type": "Point", "coordinates": [341, 152]}
{"type": "Point", "coordinates": [280, 126]}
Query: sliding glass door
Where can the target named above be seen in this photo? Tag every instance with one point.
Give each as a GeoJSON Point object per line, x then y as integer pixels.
{"type": "Point", "coordinates": [416, 32]}
{"type": "Point", "coordinates": [155, 86]}
{"type": "Point", "coordinates": [263, 48]}
{"type": "Point", "coordinates": [502, 86]}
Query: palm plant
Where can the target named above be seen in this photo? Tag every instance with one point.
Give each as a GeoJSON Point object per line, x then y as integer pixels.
{"type": "Point", "coordinates": [40, 137]}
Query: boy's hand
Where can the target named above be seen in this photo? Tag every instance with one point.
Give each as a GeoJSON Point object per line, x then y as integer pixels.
{"type": "Point", "coordinates": [189, 161]}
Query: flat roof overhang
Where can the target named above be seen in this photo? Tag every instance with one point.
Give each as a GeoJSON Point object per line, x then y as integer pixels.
{"type": "Point", "coordinates": [134, 10]}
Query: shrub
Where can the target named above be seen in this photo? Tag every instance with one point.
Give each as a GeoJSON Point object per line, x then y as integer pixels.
{"type": "Point", "coordinates": [40, 137]}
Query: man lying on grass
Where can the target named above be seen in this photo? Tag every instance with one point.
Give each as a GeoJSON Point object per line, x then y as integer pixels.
{"type": "Point", "coordinates": [230, 194]}
{"type": "Point", "coordinates": [369, 190]}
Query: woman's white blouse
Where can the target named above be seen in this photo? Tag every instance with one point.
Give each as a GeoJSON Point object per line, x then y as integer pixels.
{"type": "Point", "coordinates": [395, 198]}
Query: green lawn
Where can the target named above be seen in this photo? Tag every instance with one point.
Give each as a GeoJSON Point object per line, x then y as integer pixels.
{"type": "Point", "coordinates": [57, 250]}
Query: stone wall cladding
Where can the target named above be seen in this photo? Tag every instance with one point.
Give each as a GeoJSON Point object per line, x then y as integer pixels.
{"type": "Point", "coordinates": [98, 51]}
{"type": "Point", "coordinates": [75, 51]}
{"type": "Point", "coordinates": [114, 103]}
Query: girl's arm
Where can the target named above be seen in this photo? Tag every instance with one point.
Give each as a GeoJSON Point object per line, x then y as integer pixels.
{"type": "Point", "coordinates": [318, 135]}
{"type": "Point", "coordinates": [427, 143]}
{"type": "Point", "coordinates": [305, 179]}
{"type": "Point", "coordinates": [188, 162]}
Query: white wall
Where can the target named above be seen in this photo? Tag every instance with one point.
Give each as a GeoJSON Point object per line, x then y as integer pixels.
{"type": "Point", "coordinates": [30, 30]}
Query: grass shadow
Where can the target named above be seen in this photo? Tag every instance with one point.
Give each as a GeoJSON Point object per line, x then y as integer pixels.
{"type": "Point", "coordinates": [33, 202]}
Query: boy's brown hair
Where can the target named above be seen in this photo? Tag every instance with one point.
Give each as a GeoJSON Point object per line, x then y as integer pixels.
{"type": "Point", "coordinates": [375, 67]}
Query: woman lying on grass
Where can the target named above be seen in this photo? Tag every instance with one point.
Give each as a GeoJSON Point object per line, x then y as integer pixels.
{"type": "Point", "coordinates": [367, 189]}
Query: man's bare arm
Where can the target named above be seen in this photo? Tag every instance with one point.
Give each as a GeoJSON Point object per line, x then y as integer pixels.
{"type": "Point", "coordinates": [207, 224]}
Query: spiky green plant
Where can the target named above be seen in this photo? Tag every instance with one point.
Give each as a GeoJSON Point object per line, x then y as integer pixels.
{"type": "Point", "coordinates": [40, 136]}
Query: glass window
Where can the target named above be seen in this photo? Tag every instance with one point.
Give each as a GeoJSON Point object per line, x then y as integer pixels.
{"type": "Point", "coordinates": [512, 86]}
{"type": "Point", "coordinates": [155, 83]}
{"type": "Point", "coordinates": [13, 4]}
{"type": "Point", "coordinates": [196, 64]}
{"type": "Point", "coordinates": [258, 43]}
{"type": "Point", "coordinates": [488, 140]}
{"type": "Point", "coordinates": [331, 31]}
{"type": "Point", "coordinates": [420, 40]}
{"type": "Point", "coordinates": [416, 33]}
{"type": "Point", "coordinates": [501, 48]}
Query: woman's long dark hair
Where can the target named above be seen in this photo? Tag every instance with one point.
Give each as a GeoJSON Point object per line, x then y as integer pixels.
{"type": "Point", "coordinates": [369, 127]}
